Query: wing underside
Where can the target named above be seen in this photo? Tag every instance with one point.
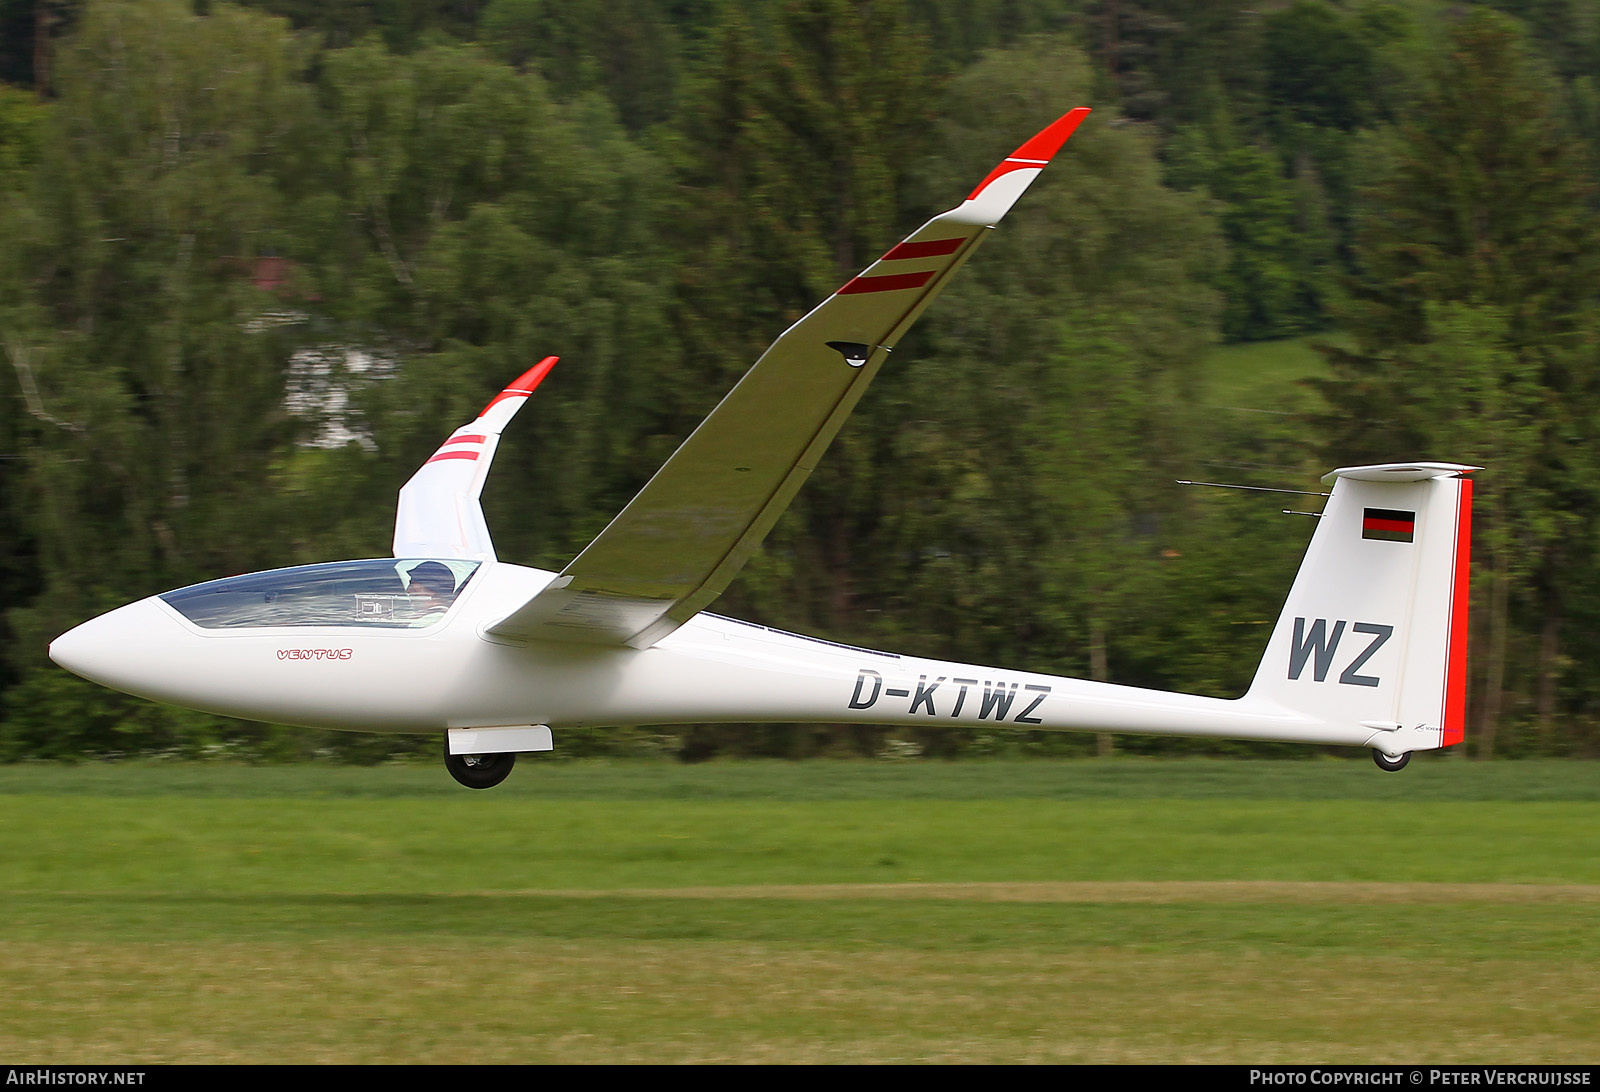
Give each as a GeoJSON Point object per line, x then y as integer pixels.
{"type": "Point", "coordinates": [681, 540]}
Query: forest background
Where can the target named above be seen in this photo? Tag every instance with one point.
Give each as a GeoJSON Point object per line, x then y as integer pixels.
{"type": "Point", "coordinates": [256, 259]}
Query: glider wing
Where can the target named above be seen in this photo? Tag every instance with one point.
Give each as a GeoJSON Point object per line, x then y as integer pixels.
{"type": "Point", "coordinates": [681, 540]}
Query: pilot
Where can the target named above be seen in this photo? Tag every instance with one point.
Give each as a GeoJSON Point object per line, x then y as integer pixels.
{"type": "Point", "coordinates": [431, 591]}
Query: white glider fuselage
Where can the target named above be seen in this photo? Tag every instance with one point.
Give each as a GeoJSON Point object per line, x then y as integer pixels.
{"type": "Point", "coordinates": [455, 674]}
{"type": "Point", "coordinates": [1369, 650]}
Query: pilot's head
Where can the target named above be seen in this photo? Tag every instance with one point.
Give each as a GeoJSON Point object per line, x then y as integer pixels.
{"type": "Point", "coordinates": [434, 580]}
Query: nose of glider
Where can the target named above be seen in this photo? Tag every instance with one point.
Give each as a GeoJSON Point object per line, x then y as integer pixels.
{"type": "Point", "coordinates": [79, 649]}
{"type": "Point", "coordinates": [113, 649]}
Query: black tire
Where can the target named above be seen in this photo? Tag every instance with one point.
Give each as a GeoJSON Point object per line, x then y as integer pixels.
{"type": "Point", "coordinates": [1391, 765]}
{"type": "Point", "coordinates": [479, 771]}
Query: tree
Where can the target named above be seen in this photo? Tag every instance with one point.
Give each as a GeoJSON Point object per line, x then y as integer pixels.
{"type": "Point", "coordinates": [1034, 430]}
{"type": "Point", "coordinates": [1276, 281]}
{"type": "Point", "coordinates": [1479, 264]}
{"type": "Point", "coordinates": [1319, 70]}
{"type": "Point", "coordinates": [800, 132]}
{"type": "Point", "coordinates": [1176, 61]}
{"type": "Point", "coordinates": [625, 49]}
{"type": "Point", "coordinates": [146, 355]}
{"type": "Point", "coordinates": [474, 227]}
{"type": "Point", "coordinates": [21, 124]}
{"type": "Point", "coordinates": [205, 227]}
{"type": "Point", "coordinates": [798, 160]}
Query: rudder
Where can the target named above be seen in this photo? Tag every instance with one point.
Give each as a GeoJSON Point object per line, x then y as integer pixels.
{"type": "Point", "coordinates": [1374, 631]}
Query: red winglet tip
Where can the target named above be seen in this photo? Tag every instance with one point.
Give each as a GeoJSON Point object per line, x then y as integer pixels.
{"type": "Point", "coordinates": [524, 383]}
{"type": "Point", "coordinates": [1039, 149]}
{"type": "Point", "coordinates": [534, 375]}
{"type": "Point", "coordinates": [1048, 141]}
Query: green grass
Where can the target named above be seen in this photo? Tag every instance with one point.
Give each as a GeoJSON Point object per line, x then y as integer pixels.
{"type": "Point", "coordinates": [262, 846]}
{"type": "Point", "coordinates": [1444, 775]}
{"type": "Point", "coordinates": [1266, 376]}
{"type": "Point", "coordinates": [1480, 930]}
{"type": "Point", "coordinates": [1136, 910]}
{"type": "Point", "coordinates": [1257, 400]}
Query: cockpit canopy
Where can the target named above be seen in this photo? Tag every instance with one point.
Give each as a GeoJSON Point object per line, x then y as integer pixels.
{"type": "Point", "coordinates": [409, 593]}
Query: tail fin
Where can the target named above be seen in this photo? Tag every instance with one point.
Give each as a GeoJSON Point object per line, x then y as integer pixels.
{"type": "Point", "coordinates": [1375, 629]}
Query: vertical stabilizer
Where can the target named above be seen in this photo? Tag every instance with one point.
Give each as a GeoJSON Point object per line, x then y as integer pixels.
{"type": "Point", "coordinates": [1374, 632]}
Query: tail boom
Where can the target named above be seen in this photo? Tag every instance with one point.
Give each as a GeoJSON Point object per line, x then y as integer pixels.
{"type": "Point", "coordinates": [719, 670]}
{"type": "Point", "coordinates": [1369, 650]}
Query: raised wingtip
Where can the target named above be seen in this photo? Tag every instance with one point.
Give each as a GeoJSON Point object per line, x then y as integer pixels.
{"type": "Point", "coordinates": [534, 375]}
{"type": "Point", "coordinates": [1048, 141]}
{"type": "Point", "coordinates": [1037, 150]}
{"type": "Point", "coordinates": [524, 383]}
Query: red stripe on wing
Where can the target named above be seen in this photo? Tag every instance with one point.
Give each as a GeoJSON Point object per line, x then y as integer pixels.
{"type": "Point", "coordinates": [443, 455]}
{"type": "Point", "coordinates": [930, 249]}
{"type": "Point", "coordinates": [891, 283]}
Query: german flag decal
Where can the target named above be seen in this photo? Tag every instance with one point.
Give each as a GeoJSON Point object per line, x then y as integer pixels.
{"type": "Point", "coordinates": [1388, 524]}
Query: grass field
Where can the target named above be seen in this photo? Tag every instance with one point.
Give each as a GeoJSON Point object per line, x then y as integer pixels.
{"type": "Point", "coordinates": [1267, 376]}
{"type": "Point", "coordinates": [1121, 911]}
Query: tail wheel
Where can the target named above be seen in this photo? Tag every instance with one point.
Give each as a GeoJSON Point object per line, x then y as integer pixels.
{"type": "Point", "coordinates": [1391, 764]}
{"type": "Point", "coordinates": [479, 771]}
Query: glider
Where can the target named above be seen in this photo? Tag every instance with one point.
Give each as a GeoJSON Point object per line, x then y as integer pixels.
{"type": "Point", "coordinates": [1369, 651]}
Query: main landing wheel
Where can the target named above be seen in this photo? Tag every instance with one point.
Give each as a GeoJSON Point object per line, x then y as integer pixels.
{"type": "Point", "coordinates": [479, 771]}
{"type": "Point", "coordinates": [1391, 764]}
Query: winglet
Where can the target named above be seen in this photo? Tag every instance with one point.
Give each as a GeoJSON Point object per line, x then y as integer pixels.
{"type": "Point", "coordinates": [520, 389]}
{"type": "Point", "coordinates": [1044, 144]}
{"type": "Point", "coordinates": [439, 514]}
{"type": "Point", "coordinates": [995, 195]}
{"type": "Point", "coordinates": [1036, 151]}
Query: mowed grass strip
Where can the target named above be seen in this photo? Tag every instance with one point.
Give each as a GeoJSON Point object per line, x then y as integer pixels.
{"type": "Point", "coordinates": [620, 978]}
{"type": "Point", "coordinates": [459, 1001]}
{"type": "Point", "coordinates": [1472, 930]}
{"type": "Point", "coordinates": [1433, 776]}
{"type": "Point", "coordinates": [1080, 922]}
{"type": "Point", "coordinates": [1161, 891]}
{"type": "Point", "coordinates": [483, 843]}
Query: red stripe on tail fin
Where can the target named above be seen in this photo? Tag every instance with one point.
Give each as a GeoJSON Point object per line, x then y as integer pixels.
{"type": "Point", "coordinates": [1454, 728]}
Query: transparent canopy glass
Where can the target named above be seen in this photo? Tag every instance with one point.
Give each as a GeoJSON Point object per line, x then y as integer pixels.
{"type": "Point", "coordinates": [410, 593]}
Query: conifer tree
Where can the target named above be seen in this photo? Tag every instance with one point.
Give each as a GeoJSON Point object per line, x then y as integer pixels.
{"type": "Point", "coordinates": [1474, 327]}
